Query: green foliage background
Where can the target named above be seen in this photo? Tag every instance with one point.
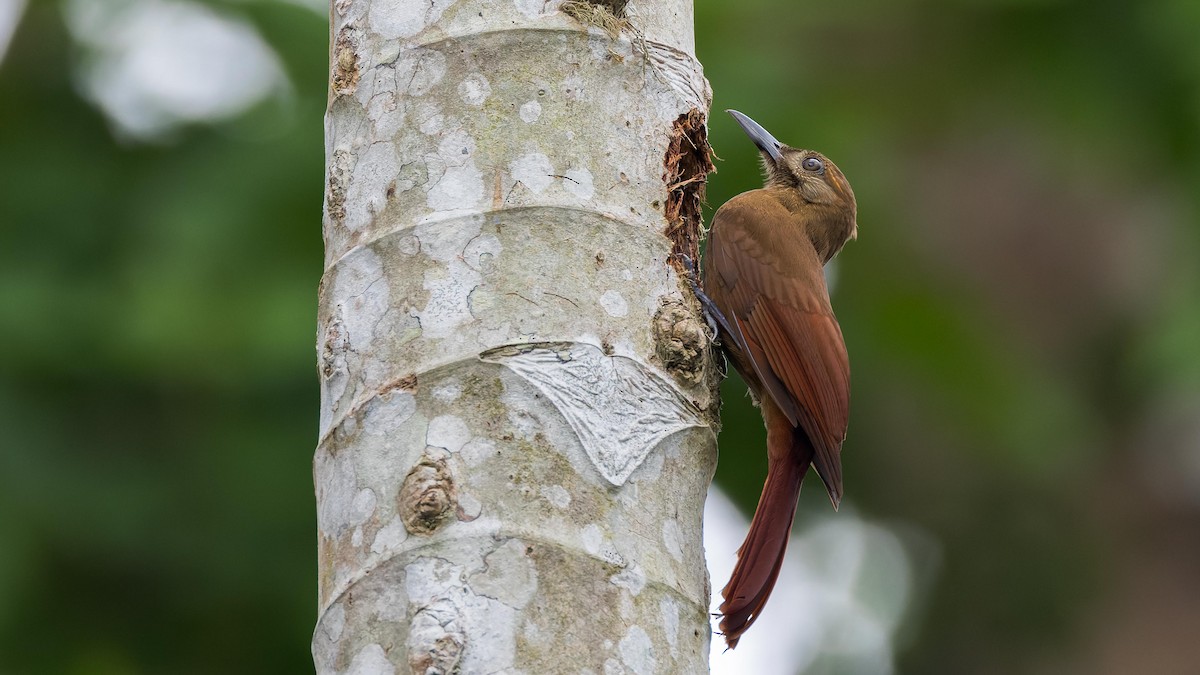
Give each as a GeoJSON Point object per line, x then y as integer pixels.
{"type": "Point", "coordinates": [1022, 310]}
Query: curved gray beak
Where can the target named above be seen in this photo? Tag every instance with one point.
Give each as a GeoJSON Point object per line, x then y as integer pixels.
{"type": "Point", "coordinates": [761, 137]}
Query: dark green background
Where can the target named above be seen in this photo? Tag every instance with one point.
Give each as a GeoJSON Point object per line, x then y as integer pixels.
{"type": "Point", "coordinates": [1022, 311]}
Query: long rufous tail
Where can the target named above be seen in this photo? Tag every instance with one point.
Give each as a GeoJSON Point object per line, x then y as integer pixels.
{"type": "Point", "coordinates": [789, 454]}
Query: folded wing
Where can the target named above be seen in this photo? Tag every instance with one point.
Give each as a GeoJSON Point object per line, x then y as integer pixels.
{"type": "Point", "coordinates": [769, 283]}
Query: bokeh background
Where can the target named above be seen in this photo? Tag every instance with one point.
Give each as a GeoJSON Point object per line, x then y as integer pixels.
{"type": "Point", "coordinates": [1022, 310]}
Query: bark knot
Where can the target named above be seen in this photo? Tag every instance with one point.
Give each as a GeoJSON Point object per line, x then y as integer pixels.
{"type": "Point", "coordinates": [333, 351]}
{"type": "Point", "coordinates": [339, 181]}
{"type": "Point", "coordinates": [428, 496]}
{"type": "Point", "coordinates": [344, 79]}
{"type": "Point", "coordinates": [680, 340]}
{"type": "Point", "coordinates": [436, 639]}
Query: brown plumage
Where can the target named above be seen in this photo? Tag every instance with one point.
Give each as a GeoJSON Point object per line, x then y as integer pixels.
{"type": "Point", "coordinates": [764, 274]}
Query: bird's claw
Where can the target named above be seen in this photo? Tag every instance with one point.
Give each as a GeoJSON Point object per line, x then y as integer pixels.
{"type": "Point", "coordinates": [689, 265]}
{"type": "Point", "coordinates": [712, 316]}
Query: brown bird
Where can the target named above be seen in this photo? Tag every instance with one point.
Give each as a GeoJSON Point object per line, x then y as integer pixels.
{"type": "Point", "coordinates": [764, 274]}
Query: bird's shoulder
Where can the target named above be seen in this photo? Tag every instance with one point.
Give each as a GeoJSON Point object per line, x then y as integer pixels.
{"type": "Point", "coordinates": [761, 217]}
{"type": "Point", "coordinates": [756, 240]}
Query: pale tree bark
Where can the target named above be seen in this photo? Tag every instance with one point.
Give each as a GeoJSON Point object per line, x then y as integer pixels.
{"type": "Point", "coordinates": [517, 396]}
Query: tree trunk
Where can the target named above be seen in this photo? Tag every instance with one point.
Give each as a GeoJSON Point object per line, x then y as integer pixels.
{"type": "Point", "coordinates": [517, 396]}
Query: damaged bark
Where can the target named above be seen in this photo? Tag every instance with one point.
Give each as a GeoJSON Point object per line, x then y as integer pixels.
{"type": "Point", "coordinates": [687, 163]}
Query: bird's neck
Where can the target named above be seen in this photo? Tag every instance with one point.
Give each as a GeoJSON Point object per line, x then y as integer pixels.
{"type": "Point", "coordinates": [828, 226]}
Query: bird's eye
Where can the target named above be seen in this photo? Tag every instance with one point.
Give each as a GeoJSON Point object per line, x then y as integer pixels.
{"type": "Point", "coordinates": [812, 164]}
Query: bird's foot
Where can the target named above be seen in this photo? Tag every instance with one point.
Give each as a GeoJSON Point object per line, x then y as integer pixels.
{"type": "Point", "coordinates": [712, 315]}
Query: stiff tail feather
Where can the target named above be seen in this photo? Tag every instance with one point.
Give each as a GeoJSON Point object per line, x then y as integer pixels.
{"type": "Point", "coordinates": [761, 555]}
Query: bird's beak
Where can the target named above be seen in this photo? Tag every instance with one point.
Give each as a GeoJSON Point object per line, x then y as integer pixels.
{"type": "Point", "coordinates": [761, 137]}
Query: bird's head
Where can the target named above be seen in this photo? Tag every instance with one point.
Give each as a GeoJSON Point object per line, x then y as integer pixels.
{"type": "Point", "coordinates": [813, 175]}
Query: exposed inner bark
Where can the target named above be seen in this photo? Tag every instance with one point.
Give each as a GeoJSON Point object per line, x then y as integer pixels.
{"type": "Point", "coordinates": [687, 164]}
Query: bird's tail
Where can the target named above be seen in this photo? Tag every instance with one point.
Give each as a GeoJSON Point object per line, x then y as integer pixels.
{"type": "Point", "coordinates": [761, 555]}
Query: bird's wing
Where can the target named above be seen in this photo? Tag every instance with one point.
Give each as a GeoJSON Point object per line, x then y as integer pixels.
{"type": "Point", "coordinates": [763, 273]}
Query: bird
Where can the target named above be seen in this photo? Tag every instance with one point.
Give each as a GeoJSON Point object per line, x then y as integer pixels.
{"type": "Point", "coordinates": [763, 284]}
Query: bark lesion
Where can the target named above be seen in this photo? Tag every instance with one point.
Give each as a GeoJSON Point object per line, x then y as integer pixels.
{"type": "Point", "coordinates": [686, 165]}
